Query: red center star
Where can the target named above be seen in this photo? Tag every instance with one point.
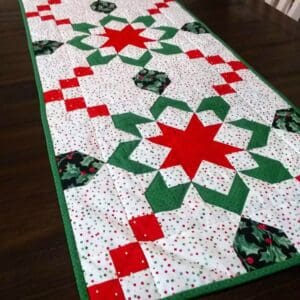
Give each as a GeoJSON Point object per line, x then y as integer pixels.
{"type": "Point", "coordinates": [191, 146]}
{"type": "Point", "coordinates": [119, 39]}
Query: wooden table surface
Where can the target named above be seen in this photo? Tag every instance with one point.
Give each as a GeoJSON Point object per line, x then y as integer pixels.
{"type": "Point", "coordinates": [34, 259]}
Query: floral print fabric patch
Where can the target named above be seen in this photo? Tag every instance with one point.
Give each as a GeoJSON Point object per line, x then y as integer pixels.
{"type": "Point", "coordinates": [178, 167]}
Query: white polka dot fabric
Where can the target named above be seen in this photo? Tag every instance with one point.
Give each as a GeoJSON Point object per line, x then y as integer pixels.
{"type": "Point", "coordinates": [180, 167]}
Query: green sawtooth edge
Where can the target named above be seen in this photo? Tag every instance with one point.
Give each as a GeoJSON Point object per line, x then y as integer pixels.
{"type": "Point", "coordinates": [192, 293]}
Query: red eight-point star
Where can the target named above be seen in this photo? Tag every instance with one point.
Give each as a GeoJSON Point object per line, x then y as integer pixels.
{"type": "Point", "coordinates": [119, 39]}
{"type": "Point", "coordinates": [191, 146]}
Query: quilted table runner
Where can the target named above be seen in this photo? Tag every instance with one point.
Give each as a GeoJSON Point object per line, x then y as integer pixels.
{"type": "Point", "coordinates": [177, 167]}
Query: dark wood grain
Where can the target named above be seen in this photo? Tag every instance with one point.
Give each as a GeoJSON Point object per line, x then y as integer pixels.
{"type": "Point", "coordinates": [34, 260]}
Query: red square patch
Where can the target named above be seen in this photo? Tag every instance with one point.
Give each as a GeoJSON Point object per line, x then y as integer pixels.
{"type": "Point", "coordinates": [146, 228]}
{"type": "Point", "coordinates": [214, 60]}
{"type": "Point", "coordinates": [97, 111]}
{"type": "Point", "coordinates": [53, 95]}
{"type": "Point", "coordinates": [54, 1]}
{"type": "Point", "coordinates": [128, 259]}
{"type": "Point", "coordinates": [75, 103]}
{"type": "Point", "coordinates": [43, 7]}
{"type": "Point", "coordinates": [153, 11]}
{"type": "Point", "coordinates": [83, 71]}
{"type": "Point", "coordinates": [236, 65]}
{"type": "Point", "coordinates": [194, 54]}
{"type": "Point", "coordinates": [161, 5]}
{"type": "Point", "coordinates": [108, 290]}
{"type": "Point", "coordinates": [224, 89]}
{"type": "Point", "coordinates": [63, 22]}
{"type": "Point", "coordinates": [48, 17]}
{"type": "Point", "coordinates": [231, 77]}
{"type": "Point", "coordinates": [69, 83]}
{"type": "Point", "coordinates": [32, 14]}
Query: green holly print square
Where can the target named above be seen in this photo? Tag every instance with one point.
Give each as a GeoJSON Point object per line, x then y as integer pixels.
{"type": "Point", "coordinates": [194, 27]}
{"type": "Point", "coordinates": [103, 6]}
{"type": "Point", "coordinates": [152, 80]}
{"type": "Point", "coordinates": [45, 47]}
{"type": "Point", "coordinates": [287, 119]}
{"type": "Point", "coordinates": [259, 245]}
{"type": "Point", "coordinates": [76, 168]}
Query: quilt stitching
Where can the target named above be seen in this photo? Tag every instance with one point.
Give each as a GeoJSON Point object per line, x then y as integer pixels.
{"type": "Point", "coordinates": [152, 149]}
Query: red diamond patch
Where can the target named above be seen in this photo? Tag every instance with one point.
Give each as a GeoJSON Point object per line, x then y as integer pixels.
{"type": "Point", "coordinates": [146, 228]}
{"type": "Point", "coordinates": [128, 259]}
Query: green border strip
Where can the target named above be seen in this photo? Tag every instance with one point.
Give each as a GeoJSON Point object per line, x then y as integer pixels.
{"type": "Point", "coordinates": [51, 155]}
{"type": "Point", "coordinates": [196, 292]}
